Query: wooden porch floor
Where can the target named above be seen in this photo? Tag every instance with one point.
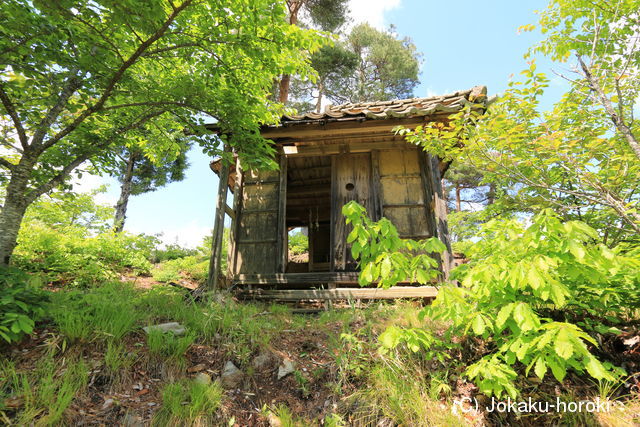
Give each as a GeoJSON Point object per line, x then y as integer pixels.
{"type": "Point", "coordinates": [340, 286]}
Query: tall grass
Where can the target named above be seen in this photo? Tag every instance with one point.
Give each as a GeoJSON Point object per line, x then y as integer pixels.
{"type": "Point", "coordinates": [189, 403]}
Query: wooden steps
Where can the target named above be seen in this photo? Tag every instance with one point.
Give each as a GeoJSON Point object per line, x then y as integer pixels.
{"type": "Point", "coordinates": [341, 293]}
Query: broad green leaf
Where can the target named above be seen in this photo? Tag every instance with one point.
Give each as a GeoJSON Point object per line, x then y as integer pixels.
{"type": "Point", "coordinates": [563, 344]}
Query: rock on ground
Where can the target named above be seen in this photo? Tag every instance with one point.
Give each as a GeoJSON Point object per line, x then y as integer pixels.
{"type": "Point", "coordinates": [231, 376]}
{"type": "Point", "coordinates": [174, 327]}
{"type": "Point", "coordinates": [264, 361]}
{"type": "Point", "coordinates": [286, 368]}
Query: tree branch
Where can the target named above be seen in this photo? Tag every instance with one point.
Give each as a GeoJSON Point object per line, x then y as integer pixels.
{"type": "Point", "coordinates": [117, 76]}
{"type": "Point", "coordinates": [617, 120]}
{"type": "Point", "coordinates": [62, 175]}
{"type": "Point", "coordinates": [6, 163]}
{"type": "Point", "coordinates": [72, 83]}
{"type": "Point", "coordinates": [11, 110]}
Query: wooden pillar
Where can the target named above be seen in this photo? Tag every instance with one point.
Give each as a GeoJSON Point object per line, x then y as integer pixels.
{"type": "Point", "coordinates": [218, 225]}
{"type": "Point", "coordinates": [376, 186]}
{"type": "Point", "coordinates": [282, 237]}
{"type": "Point", "coordinates": [235, 225]}
{"type": "Point", "coordinates": [437, 207]}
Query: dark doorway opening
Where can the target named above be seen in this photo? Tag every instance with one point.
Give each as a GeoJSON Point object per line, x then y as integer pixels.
{"type": "Point", "coordinates": [309, 207]}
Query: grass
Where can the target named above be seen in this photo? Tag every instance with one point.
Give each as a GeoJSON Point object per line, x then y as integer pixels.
{"type": "Point", "coordinates": [105, 312]}
{"type": "Point", "coordinates": [189, 403]}
{"type": "Point", "coordinates": [281, 415]}
{"type": "Point", "coordinates": [169, 347]}
{"type": "Point", "coordinates": [399, 386]}
{"type": "Point", "coordinates": [117, 360]}
{"type": "Point", "coordinates": [44, 393]}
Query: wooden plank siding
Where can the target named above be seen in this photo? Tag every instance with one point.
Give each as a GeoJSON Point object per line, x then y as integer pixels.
{"type": "Point", "coordinates": [402, 193]}
{"type": "Point", "coordinates": [351, 180]}
{"type": "Point", "coordinates": [257, 239]}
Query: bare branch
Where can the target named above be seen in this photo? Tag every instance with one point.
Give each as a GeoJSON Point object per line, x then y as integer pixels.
{"type": "Point", "coordinates": [618, 120]}
{"type": "Point", "coordinates": [11, 110]}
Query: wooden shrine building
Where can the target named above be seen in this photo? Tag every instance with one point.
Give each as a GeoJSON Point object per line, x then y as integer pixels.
{"type": "Point", "coordinates": [347, 152]}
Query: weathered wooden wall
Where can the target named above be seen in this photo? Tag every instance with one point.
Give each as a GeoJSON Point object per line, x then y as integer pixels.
{"type": "Point", "coordinates": [402, 185]}
{"type": "Point", "coordinates": [403, 197]}
{"type": "Point", "coordinates": [351, 180]}
{"type": "Point", "coordinates": [257, 238]}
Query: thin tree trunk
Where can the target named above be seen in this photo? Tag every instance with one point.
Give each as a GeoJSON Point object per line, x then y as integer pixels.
{"type": "Point", "coordinates": [125, 192]}
{"type": "Point", "coordinates": [491, 195]}
{"type": "Point", "coordinates": [458, 202]}
{"type": "Point", "coordinates": [15, 206]}
{"type": "Point", "coordinates": [320, 94]}
{"type": "Point", "coordinates": [283, 91]}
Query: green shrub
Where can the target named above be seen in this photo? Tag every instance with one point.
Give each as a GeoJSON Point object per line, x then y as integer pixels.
{"type": "Point", "coordinates": [69, 255]}
{"type": "Point", "coordinates": [298, 243]}
{"type": "Point", "coordinates": [171, 252]}
{"type": "Point", "coordinates": [532, 293]}
{"type": "Point", "coordinates": [68, 238]}
{"type": "Point", "coordinates": [188, 402]}
{"type": "Point", "coordinates": [383, 256]}
{"type": "Point", "coordinates": [21, 304]}
{"type": "Point", "coordinates": [195, 267]}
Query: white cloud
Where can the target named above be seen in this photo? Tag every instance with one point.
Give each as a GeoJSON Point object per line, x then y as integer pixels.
{"type": "Point", "coordinates": [189, 235]}
{"type": "Point", "coordinates": [371, 11]}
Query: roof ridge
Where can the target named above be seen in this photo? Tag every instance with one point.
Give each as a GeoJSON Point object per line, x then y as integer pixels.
{"type": "Point", "coordinates": [407, 107]}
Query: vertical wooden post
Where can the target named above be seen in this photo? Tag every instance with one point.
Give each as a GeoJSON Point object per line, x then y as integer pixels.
{"type": "Point", "coordinates": [437, 215]}
{"type": "Point", "coordinates": [282, 238]}
{"type": "Point", "coordinates": [237, 209]}
{"type": "Point", "coordinates": [218, 225]}
{"type": "Point", "coordinates": [311, 235]}
{"type": "Point", "coordinates": [332, 224]}
{"type": "Point", "coordinates": [429, 200]}
{"type": "Point", "coordinates": [376, 190]}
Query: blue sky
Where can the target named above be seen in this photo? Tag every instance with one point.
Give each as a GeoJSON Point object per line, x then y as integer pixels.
{"type": "Point", "coordinates": [464, 44]}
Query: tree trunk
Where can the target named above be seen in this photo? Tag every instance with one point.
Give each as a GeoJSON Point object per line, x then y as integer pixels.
{"type": "Point", "coordinates": [15, 206]}
{"type": "Point", "coordinates": [283, 91]}
{"type": "Point", "coordinates": [320, 94]}
{"type": "Point", "coordinates": [458, 202]}
{"type": "Point", "coordinates": [491, 195]}
{"type": "Point", "coordinates": [125, 192]}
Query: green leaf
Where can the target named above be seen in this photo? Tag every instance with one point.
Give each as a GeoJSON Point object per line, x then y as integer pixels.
{"type": "Point", "coordinates": [385, 266]}
{"type": "Point", "coordinates": [596, 369]}
{"type": "Point", "coordinates": [563, 344]}
{"type": "Point", "coordinates": [540, 368]}
{"type": "Point", "coordinates": [558, 371]}
{"type": "Point", "coordinates": [503, 315]}
{"type": "Point", "coordinates": [478, 325]}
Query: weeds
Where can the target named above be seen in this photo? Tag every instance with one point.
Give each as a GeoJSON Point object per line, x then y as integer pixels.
{"type": "Point", "coordinates": [47, 392]}
{"type": "Point", "coordinates": [104, 312]}
{"type": "Point", "coordinates": [168, 346]}
{"type": "Point", "coordinates": [281, 415]}
{"type": "Point", "coordinates": [117, 359]}
{"type": "Point", "coordinates": [189, 402]}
